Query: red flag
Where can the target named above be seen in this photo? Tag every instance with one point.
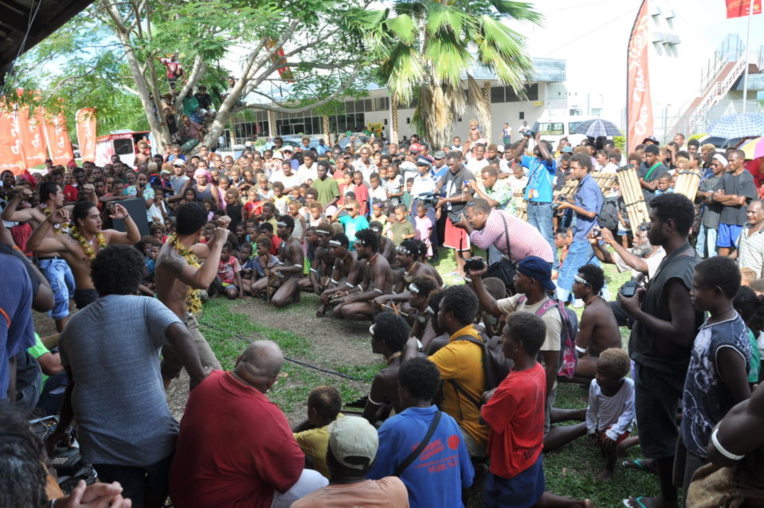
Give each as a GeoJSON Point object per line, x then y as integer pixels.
{"type": "Point", "coordinates": [739, 8]}
{"type": "Point", "coordinates": [57, 136]}
{"type": "Point", "coordinates": [11, 143]}
{"type": "Point", "coordinates": [639, 107]}
{"type": "Point", "coordinates": [35, 149]}
{"type": "Point", "coordinates": [86, 133]}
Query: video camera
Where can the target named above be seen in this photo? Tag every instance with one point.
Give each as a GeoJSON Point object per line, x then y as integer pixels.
{"type": "Point", "coordinates": [429, 198]}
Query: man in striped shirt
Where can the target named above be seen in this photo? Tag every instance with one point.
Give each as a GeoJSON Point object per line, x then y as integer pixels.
{"type": "Point", "coordinates": [486, 227]}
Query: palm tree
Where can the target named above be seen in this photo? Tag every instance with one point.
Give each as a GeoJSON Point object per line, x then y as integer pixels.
{"type": "Point", "coordinates": [428, 48]}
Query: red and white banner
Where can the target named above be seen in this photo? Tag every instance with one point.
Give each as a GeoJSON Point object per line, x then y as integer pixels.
{"type": "Point", "coordinates": [57, 137]}
{"type": "Point", "coordinates": [739, 8]}
{"type": "Point", "coordinates": [35, 149]}
{"type": "Point", "coordinates": [639, 107]}
{"type": "Point", "coordinates": [11, 143]}
{"type": "Point", "coordinates": [86, 133]}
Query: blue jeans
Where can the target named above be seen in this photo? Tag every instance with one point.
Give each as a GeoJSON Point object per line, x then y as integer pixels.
{"type": "Point", "coordinates": [705, 244]}
{"type": "Point", "coordinates": [61, 279]}
{"type": "Point", "coordinates": [580, 253]}
{"type": "Point", "coordinates": [540, 217]}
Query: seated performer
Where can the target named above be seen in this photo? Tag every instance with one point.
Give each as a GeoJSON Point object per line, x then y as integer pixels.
{"type": "Point", "coordinates": [377, 279]}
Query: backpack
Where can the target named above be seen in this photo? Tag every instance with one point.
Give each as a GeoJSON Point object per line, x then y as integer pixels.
{"type": "Point", "coordinates": [495, 366]}
{"type": "Point", "coordinates": [568, 329]}
{"type": "Point", "coordinates": [608, 216]}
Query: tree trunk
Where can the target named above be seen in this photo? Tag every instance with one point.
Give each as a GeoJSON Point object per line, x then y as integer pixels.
{"type": "Point", "coordinates": [487, 102]}
{"type": "Point", "coordinates": [393, 120]}
{"type": "Point", "coordinates": [325, 128]}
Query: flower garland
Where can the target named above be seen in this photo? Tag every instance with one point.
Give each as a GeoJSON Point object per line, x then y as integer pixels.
{"type": "Point", "coordinates": [64, 227]}
{"type": "Point", "coordinates": [87, 246]}
{"type": "Point", "coordinates": [194, 296]}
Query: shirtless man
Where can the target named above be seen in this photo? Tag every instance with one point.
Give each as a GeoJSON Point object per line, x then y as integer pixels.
{"type": "Point", "coordinates": [288, 273]}
{"type": "Point", "coordinates": [377, 279]}
{"type": "Point", "coordinates": [321, 267]}
{"type": "Point", "coordinates": [179, 277]}
{"type": "Point", "coordinates": [345, 272]}
{"type": "Point", "coordinates": [386, 246]}
{"type": "Point", "coordinates": [81, 245]}
{"type": "Point", "coordinates": [420, 290]}
{"type": "Point", "coordinates": [737, 442]}
{"type": "Point", "coordinates": [598, 329]}
{"type": "Point", "coordinates": [55, 269]}
{"type": "Point", "coordinates": [389, 334]}
{"type": "Point", "coordinates": [408, 255]}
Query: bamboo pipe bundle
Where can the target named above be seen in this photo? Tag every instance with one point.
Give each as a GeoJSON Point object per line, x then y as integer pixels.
{"type": "Point", "coordinates": [605, 181]}
{"type": "Point", "coordinates": [631, 192]}
{"type": "Point", "coordinates": [687, 183]}
{"type": "Point", "coordinates": [522, 211]}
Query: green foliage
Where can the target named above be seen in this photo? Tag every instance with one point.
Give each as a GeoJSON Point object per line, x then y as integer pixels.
{"type": "Point", "coordinates": [620, 142]}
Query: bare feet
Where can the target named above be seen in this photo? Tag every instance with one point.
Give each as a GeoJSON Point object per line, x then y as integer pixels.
{"type": "Point", "coordinates": [605, 475]}
{"type": "Point", "coordinates": [644, 502]}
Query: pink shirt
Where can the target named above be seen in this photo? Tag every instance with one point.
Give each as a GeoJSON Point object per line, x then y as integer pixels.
{"type": "Point", "coordinates": [524, 239]}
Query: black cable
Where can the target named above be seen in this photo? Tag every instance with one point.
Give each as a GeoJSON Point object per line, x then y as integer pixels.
{"type": "Point", "coordinates": [298, 362]}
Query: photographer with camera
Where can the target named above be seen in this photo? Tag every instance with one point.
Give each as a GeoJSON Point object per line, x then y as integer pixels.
{"type": "Point", "coordinates": [538, 193]}
{"type": "Point", "coordinates": [488, 227]}
{"type": "Point", "coordinates": [661, 339]}
{"type": "Point", "coordinates": [454, 185]}
{"type": "Point", "coordinates": [587, 204]}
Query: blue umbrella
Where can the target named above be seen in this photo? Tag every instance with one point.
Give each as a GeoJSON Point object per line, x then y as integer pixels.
{"type": "Point", "coordinates": [597, 128]}
{"type": "Point", "coordinates": [738, 125]}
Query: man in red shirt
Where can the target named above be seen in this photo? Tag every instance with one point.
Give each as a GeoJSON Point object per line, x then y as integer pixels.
{"type": "Point", "coordinates": [235, 447]}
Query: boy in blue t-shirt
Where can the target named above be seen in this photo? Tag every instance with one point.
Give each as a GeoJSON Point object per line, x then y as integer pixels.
{"type": "Point", "coordinates": [353, 222]}
{"type": "Point", "coordinates": [717, 377]}
{"type": "Point", "coordinates": [438, 474]}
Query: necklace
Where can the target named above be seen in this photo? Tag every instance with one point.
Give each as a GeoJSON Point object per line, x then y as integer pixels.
{"type": "Point", "coordinates": [57, 228]}
{"type": "Point", "coordinates": [392, 357]}
{"type": "Point", "coordinates": [193, 296]}
{"type": "Point", "coordinates": [87, 245]}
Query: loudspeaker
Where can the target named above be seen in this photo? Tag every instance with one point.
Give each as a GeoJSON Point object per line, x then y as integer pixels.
{"type": "Point", "coordinates": [136, 207]}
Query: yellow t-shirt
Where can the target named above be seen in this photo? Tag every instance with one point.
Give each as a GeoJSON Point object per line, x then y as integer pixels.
{"type": "Point", "coordinates": [314, 443]}
{"type": "Point", "coordinates": [462, 361]}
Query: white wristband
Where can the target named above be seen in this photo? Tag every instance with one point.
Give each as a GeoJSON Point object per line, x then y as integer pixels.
{"type": "Point", "coordinates": [580, 350]}
{"type": "Point", "coordinates": [721, 449]}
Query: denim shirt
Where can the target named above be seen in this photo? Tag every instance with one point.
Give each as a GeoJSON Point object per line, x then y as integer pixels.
{"type": "Point", "coordinates": [589, 197]}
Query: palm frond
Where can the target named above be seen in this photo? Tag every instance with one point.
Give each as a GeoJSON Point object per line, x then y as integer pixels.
{"type": "Point", "coordinates": [449, 58]}
{"type": "Point", "coordinates": [521, 11]}
{"type": "Point", "coordinates": [444, 18]}
{"type": "Point", "coordinates": [401, 71]}
{"type": "Point", "coordinates": [477, 99]}
{"type": "Point", "coordinates": [402, 27]}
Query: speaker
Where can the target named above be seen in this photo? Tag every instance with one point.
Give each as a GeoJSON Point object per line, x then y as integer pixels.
{"type": "Point", "coordinates": [136, 207]}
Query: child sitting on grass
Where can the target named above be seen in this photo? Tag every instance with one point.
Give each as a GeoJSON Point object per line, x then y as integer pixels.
{"type": "Point", "coordinates": [324, 404]}
{"type": "Point", "coordinates": [229, 273]}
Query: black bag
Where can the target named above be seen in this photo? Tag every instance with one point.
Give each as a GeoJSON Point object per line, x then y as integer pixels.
{"type": "Point", "coordinates": [504, 269]}
{"type": "Point", "coordinates": [419, 449]}
{"type": "Point", "coordinates": [496, 366]}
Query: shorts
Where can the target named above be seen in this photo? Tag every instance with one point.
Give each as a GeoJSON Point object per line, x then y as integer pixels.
{"type": "Point", "coordinates": [473, 448]}
{"type": "Point", "coordinates": [685, 465]}
{"type": "Point", "coordinates": [227, 285]}
{"type": "Point", "coordinates": [728, 235]}
{"type": "Point", "coordinates": [657, 397]}
{"type": "Point", "coordinates": [456, 238]}
{"type": "Point", "coordinates": [171, 363]}
{"type": "Point", "coordinates": [601, 436]}
{"type": "Point", "coordinates": [521, 491]}
{"type": "Point", "coordinates": [84, 297]}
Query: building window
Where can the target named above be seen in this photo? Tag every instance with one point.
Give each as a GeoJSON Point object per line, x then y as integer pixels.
{"type": "Point", "coordinates": [497, 94]}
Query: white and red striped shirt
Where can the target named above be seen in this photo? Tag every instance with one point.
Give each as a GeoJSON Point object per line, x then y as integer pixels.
{"type": "Point", "coordinates": [525, 240]}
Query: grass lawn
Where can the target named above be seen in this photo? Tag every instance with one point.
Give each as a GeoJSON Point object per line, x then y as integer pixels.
{"type": "Point", "coordinates": [228, 325]}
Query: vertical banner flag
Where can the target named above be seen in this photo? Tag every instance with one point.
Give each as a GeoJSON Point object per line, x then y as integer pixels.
{"type": "Point", "coordinates": [35, 149]}
{"type": "Point", "coordinates": [285, 72]}
{"type": "Point", "coordinates": [639, 107]}
{"type": "Point", "coordinates": [57, 138]}
{"type": "Point", "coordinates": [86, 133]}
{"type": "Point", "coordinates": [739, 8]}
{"type": "Point", "coordinates": [11, 144]}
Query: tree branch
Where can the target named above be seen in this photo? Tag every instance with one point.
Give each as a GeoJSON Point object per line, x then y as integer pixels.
{"type": "Point", "coordinates": [196, 72]}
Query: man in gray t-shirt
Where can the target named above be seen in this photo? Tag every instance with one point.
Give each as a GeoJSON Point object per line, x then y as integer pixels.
{"type": "Point", "coordinates": [110, 351]}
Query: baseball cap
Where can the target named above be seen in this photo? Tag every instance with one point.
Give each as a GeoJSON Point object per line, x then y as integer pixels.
{"type": "Point", "coordinates": [416, 147]}
{"type": "Point", "coordinates": [536, 268]}
{"type": "Point", "coordinates": [178, 162]}
{"type": "Point", "coordinates": [165, 172]}
{"type": "Point", "coordinates": [440, 154]}
{"type": "Point", "coordinates": [651, 139]}
{"type": "Point", "coordinates": [422, 161]}
{"type": "Point", "coordinates": [719, 157]}
{"type": "Point", "coordinates": [353, 441]}
{"type": "Point", "coordinates": [567, 149]}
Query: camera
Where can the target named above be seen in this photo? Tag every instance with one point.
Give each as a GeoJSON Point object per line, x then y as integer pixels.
{"type": "Point", "coordinates": [558, 201]}
{"type": "Point", "coordinates": [474, 263]}
{"type": "Point", "coordinates": [629, 289]}
{"type": "Point", "coordinates": [597, 233]}
{"type": "Point", "coordinates": [428, 198]}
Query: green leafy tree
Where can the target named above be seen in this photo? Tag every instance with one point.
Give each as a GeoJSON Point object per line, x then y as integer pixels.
{"type": "Point", "coordinates": [427, 49]}
{"type": "Point", "coordinates": [108, 58]}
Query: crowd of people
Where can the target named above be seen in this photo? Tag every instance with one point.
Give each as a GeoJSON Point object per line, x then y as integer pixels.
{"type": "Point", "coordinates": [465, 405]}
